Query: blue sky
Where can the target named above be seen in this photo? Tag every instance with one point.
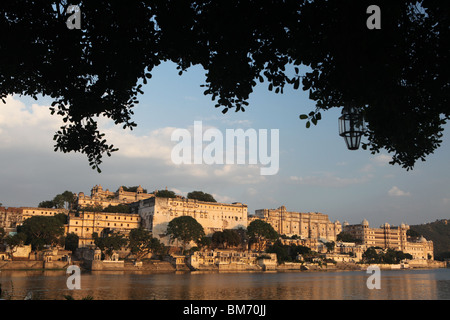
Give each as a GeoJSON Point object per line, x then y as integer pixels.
{"type": "Point", "coordinates": [317, 172]}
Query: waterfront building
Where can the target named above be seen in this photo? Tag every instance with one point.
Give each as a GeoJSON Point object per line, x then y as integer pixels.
{"type": "Point", "coordinates": [156, 213]}
{"type": "Point", "coordinates": [306, 225]}
{"type": "Point", "coordinates": [105, 198]}
{"type": "Point", "coordinates": [12, 217]}
{"type": "Point", "coordinates": [28, 212]}
{"type": "Point", "coordinates": [390, 237]}
{"type": "Point", "coordinates": [232, 260]}
{"type": "Point", "coordinates": [85, 224]}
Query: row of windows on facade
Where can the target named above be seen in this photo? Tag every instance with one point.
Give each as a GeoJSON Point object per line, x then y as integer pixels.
{"type": "Point", "coordinates": [215, 207]}
{"type": "Point", "coordinates": [175, 214]}
{"type": "Point", "coordinates": [87, 229]}
{"type": "Point", "coordinates": [26, 212]}
{"type": "Point", "coordinates": [108, 224]}
{"type": "Point", "coordinates": [295, 227]}
{"type": "Point", "coordinates": [115, 218]}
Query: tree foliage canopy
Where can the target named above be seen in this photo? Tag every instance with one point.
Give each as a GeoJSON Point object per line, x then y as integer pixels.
{"type": "Point", "coordinates": [185, 229]}
{"type": "Point", "coordinates": [110, 242]}
{"type": "Point", "coordinates": [226, 238]}
{"type": "Point", "coordinates": [260, 232]}
{"type": "Point", "coordinates": [165, 194]}
{"type": "Point", "coordinates": [201, 196]}
{"type": "Point", "coordinates": [141, 242]}
{"type": "Point", "coordinates": [397, 76]}
{"type": "Point", "coordinates": [41, 231]}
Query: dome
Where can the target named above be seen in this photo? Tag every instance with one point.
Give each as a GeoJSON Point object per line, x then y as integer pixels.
{"type": "Point", "coordinates": [365, 222]}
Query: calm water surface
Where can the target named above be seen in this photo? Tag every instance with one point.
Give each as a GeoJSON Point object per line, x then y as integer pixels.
{"type": "Point", "coordinates": [429, 284]}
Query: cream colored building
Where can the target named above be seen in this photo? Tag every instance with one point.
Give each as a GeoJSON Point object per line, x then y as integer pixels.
{"type": "Point", "coordinates": [306, 225]}
{"type": "Point", "coordinates": [85, 224]}
{"type": "Point", "coordinates": [156, 213]}
{"type": "Point", "coordinates": [46, 212]}
{"type": "Point", "coordinates": [12, 217]}
{"type": "Point", "coordinates": [104, 198]}
{"type": "Point", "coordinates": [393, 237]}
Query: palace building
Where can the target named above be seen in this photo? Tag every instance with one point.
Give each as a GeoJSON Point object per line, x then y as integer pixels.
{"type": "Point", "coordinates": [105, 198]}
{"type": "Point", "coordinates": [391, 237]}
{"type": "Point", "coordinates": [306, 225]}
{"type": "Point", "coordinates": [157, 212]}
{"type": "Point", "coordinates": [85, 224]}
{"type": "Point", "coordinates": [12, 217]}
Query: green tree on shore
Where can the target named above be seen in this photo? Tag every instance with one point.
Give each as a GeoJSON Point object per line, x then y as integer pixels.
{"type": "Point", "coordinates": [141, 242]}
{"type": "Point", "coordinates": [260, 233]}
{"type": "Point", "coordinates": [185, 229]}
{"type": "Point", "coordinates": [41, 231]}
{"type": "Point", "coordinates": [226, 238]}
{"type": "Point", "coordinates": [110, 242]}
{"type": "Point", "coordinates": [71, 242]}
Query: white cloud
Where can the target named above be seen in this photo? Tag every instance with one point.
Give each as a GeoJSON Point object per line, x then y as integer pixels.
{"type": "Point", "coordinates": [329, 180]}
{"type": "Point", "coordinates": [382, 159]}
{"type": "Point", "coordinates": [396, 192]}
{"type": "Point", "coordinates": [154, 145]}
{"type": "Point", "coordinates": [30, 127]}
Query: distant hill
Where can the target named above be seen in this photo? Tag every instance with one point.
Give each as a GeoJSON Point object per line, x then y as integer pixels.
{"type": "Point", "coordinates": [439, 233]}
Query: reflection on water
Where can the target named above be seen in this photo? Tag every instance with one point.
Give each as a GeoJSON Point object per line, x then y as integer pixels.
{"type": "Point", "coordinates": [399, 284]}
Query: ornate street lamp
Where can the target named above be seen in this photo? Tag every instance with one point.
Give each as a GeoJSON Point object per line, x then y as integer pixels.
{"type": "Point", "coordinates": [351, 127]}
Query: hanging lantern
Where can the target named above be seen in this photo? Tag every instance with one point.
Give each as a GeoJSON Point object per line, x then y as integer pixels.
{"type": "Point", "coordinates": [351, 127]}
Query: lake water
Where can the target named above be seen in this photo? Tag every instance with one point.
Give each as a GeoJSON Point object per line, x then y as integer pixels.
{"type": "Point", "coordinates": [423, 284]}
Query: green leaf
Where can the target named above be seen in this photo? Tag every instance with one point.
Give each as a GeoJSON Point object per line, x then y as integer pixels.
{"type": "Point", "coordinates": [308, 124]}
{"type": "Point", "coordinates": [303, 116]}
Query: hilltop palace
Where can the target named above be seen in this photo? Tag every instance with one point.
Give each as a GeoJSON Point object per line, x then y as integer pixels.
{"type": "Point", "coordinates": [312, 229]}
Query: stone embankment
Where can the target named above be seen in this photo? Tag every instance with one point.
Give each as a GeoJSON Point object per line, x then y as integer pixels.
{"type": "Point", "coordinates": [33, 265]}
{"type": "Point", "coordinates": [159, 266]}
{"type": "Point", "coordinates": [149, 266]}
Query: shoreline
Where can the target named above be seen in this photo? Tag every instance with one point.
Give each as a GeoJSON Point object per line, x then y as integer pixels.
{"type": "Point", "coordinates": [158, 267]}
